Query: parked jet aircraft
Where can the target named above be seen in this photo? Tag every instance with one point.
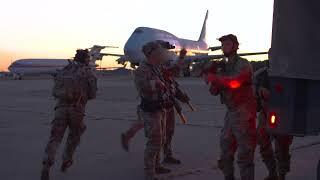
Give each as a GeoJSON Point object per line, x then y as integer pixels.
{"type": "Point", "coordinates": [197, 50]}
{"type": "Point", "coordinates": [23, 67]}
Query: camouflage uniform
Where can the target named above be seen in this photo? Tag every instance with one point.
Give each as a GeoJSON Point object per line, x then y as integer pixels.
{"type": "Point", "coordinates": [168, 72]}
{"type": "Point", "coordinates": [70, 114]}
{"type": "Point", "coordinates": [153, 114]}
{"type": "Point", "coordinates": [279, 159]}
{"type": "Point", "coordinates": [134, 128]}
{"type": "Point", "coordinates": [170, 127]}
{"type": "Point", "coordinates": [239, 129]}
{"type": "Point", "coordinates": [282, 145]}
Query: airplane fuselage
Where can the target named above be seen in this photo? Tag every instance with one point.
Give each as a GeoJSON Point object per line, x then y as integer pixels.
{"type": "Point", "coordinates": [37, 66]}
{"type": "Point", "coordinates": [23, 67]}
{"type": "Point", "coordinates": [48, 66]}
{"type": "Point", "coordinates": [143, 35]}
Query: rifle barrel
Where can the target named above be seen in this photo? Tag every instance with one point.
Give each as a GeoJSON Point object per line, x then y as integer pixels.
{"type": "Point", "coordinates": [191, 107]}
{"type": "Point", "coordinates": [182, 118]}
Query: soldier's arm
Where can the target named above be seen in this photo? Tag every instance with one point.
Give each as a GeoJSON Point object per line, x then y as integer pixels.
{"type": "Point", "coordinates": [56, 90]}
{"type": "Point", "coordinates": [173, 69]}
{"type": "Point", "coordinates": [180, 63]}
{"type": "Point", "coordinates": [92, 84]}
{"type": "Point", "coordinates": [176, 67]}
{"type": "Point", "coordinates": [241, 75]}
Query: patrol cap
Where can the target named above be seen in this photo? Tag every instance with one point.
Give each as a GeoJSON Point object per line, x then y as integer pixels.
{"type": "Point", "coordinates": [149, 47]}
{"type": "Point", "coordinates": [231, 37]}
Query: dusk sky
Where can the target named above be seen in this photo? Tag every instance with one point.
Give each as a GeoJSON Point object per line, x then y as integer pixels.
{"type": "Point", "coordinates": [55, 29]}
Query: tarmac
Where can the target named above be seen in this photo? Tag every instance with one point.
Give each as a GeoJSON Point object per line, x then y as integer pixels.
{"type": "Point", "coordinates": [26, 111]}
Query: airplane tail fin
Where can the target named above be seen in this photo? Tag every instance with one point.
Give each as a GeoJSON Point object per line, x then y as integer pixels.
{"type": "Point", "coordinates": [204, 29]}
{"type": "Point", "coordinates": [95, 52]}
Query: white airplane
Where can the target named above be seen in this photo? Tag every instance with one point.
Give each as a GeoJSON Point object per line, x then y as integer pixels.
{"type": "Point", "coordinates": [197, 50]}
{"type": "Point", "coordinates": [23, 67]}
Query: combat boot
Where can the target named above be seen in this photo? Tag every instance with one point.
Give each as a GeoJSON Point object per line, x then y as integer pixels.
{"type": "Point", "coordinates": [282, 177]}
{"type": "Point", "coordinates": [271, 177]}
{"type": "Point", "coordinates": [65, 165]}
{"type": "Point", "coordinates": [151, 179]}
{"type": "Point", "coordinates": [270, 164]}
{"type": "Point", "coordinates": [45, 172]}
{"type": "Point", "coordinates": [229, 178]}
{"type": "Point", "coordinates": [171, 160]}
{"type": "Point", "coordinates": [162, 170]}
{"type": "Point", "coordinates": [124, 142]}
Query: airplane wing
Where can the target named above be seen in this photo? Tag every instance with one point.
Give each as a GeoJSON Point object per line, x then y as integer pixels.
{"type": "Point", "coordinates": [198, 58]}
{"type": "Point", "coordinates": [111, 54]}
{"type": "Point", "coordinates": [215, 48]}
{"type": "Point", "coordinates": [123, 59]}
{"type": "Point", "coordinates": [251, 54]}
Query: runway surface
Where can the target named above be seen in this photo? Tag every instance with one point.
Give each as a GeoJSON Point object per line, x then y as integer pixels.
{"type": "Point", "coordinates": [26, 110]}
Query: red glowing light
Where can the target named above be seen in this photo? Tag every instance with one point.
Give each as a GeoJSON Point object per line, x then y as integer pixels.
{"type": "Point", "coordinates": [234, 84]}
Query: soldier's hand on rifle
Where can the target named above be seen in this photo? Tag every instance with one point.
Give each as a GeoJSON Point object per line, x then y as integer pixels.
{"type": "Point", "coordinates": [223, 81]}
{"type": "Point", "coordinates": [160, 85]}
{"type": "Point", "coordinates": [186, 97]}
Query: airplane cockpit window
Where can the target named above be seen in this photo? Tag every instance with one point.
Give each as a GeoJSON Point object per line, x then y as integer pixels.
{"type": "Point", "coordinates": [138, 31]}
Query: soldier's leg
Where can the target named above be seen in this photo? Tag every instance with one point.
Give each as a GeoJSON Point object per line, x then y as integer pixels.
{"type": "Point", "coordinates": [246, 138]}
{"type": "Point", "coordinates": [170, 127]}
{"type": "Point", "coordinates": [282, 145]}
{"type": "Point", "coordinates": [76, 129]}
{"type": "Point", "coordinates": [228, 147]}
{"type": "Point", "coordinates": [59, 125]}
{"type": "Point", "coordinates": [266, 150]}
{"type": "Point", "coordinates": [132, 131]}
{"type": "Point", "coordinates": [153, 132]}
{"type": "Point", "coordinates": [158, 168]}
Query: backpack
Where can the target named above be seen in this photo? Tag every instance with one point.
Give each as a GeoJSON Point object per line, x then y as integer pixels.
{"type": "Point", "coordinates": [70, 84]}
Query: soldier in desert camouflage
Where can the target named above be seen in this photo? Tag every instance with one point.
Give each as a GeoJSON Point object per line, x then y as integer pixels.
{"type": "Point", "coordinates": [73, 87]}
{"type": "Point", "coordinates": [234, 85]}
